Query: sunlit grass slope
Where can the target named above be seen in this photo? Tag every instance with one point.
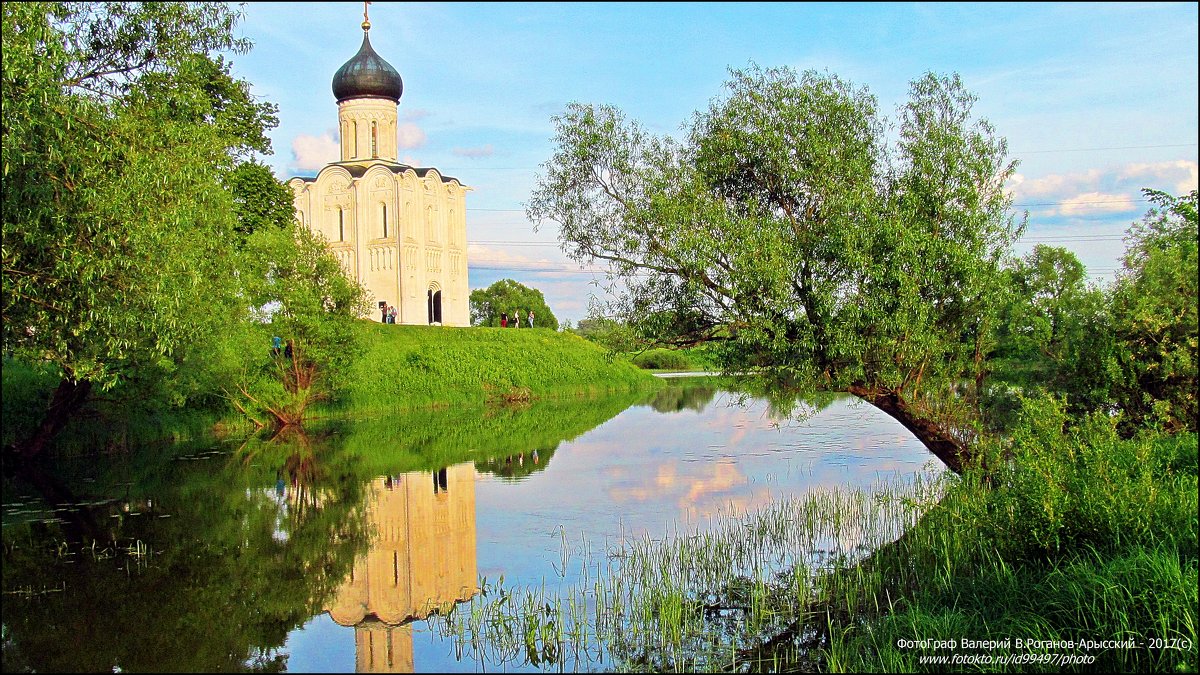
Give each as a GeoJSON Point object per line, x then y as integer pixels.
{"type": "Point", "coordinates": [407, 367]}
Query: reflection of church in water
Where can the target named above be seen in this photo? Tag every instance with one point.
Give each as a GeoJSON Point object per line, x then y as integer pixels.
{"type": "Point", "coordinates": [421, 561]}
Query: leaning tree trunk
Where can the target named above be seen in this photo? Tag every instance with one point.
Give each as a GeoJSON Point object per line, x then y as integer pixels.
{"type": "Point", "coordinates": [952, 451]}
{"type": "Point", "coordinates": [68, 398]}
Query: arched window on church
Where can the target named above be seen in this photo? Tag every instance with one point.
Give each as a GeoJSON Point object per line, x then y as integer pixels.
{"type": "Point", "coordinates": [430, 227]}
{"type": "Point", "coordinates": [383, 214]}
{"type": "Point", "coordinates": [341, 224]}
{"type": "Point", "coordinates": [453, 227]}
{"type": "Point", "coordinates": [355, 135]}
{"type": "Point", "coordinates": [374, 145]}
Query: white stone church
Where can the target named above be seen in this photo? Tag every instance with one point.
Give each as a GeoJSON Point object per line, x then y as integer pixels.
{"type": "Point", "coordinates": [401, 230]}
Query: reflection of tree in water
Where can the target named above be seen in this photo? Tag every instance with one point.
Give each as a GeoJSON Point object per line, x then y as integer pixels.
{"type": "Point", "coordinates": [426, 439]}
{"type": "Point", "coordinates": [675, 398]}
{"type": "Point", "coordinates": [198, 567]}
{"type": "Point", "coordinates": [517, 465]}
{"type": "Point", "coordinates": [786, 400]}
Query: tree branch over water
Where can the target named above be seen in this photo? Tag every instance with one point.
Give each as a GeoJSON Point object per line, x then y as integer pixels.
{"type": "Point", "coordinates": [786, 225]}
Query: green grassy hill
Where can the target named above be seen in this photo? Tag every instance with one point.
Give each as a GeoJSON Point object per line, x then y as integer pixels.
{"type": "Point", "coordinates": [402, 368]}
{"type": "Point", "coordinates": [409, 367]}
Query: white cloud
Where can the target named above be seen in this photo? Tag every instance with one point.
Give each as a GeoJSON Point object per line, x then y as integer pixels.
{"type": "Point", "coordinates": [1054, 185]}
{"type": "Point", "coordinates": [496, 257]}
{"type": "Point", "coordinates": [1178, 176]}
{"type": "Point", "coordinates": [1100, 191]}
{"type": "Point", "coordinates": [475, 153]}
{"type": "Point", "coordinates": [1096, 202]}
{"type": "Point", "coordinates": [312, 153]}
{"type": "Point", "coordinates": [409, 135]}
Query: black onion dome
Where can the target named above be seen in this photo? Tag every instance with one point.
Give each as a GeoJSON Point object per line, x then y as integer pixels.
{"type": "Point", "coordinates": [367, 75]}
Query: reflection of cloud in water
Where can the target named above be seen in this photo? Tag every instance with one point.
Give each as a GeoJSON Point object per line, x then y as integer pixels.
{"type": "Point", "coordinates": [666, 476]}
{"type": "Point", "coordinates": [725, 475]}
{"type": "Point", "coordinates": [737, 505]}
{"type": "Point", "coordinates": [643, 472]}
{"type": "Point", "coordinates": [687, 489]}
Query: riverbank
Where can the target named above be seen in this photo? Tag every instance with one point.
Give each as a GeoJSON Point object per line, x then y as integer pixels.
{"type": "Point", "coordinates": [400, 368]}
{"type": "Point", "coordinates": [414, 367]}
{"type": "Point", "coordinates": [1078, 555]}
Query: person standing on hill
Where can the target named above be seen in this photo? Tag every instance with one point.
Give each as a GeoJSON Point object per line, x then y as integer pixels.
{"type": "Point", "coordinates": [516, 318]}
{"type": "Point", "coordinates": [531, 318]}
{"type": "Point", "coordinates": [503, 319]}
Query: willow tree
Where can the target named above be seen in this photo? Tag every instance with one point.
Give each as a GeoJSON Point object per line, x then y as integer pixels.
{"type": "Point", "coordinates": [788, 230]}
{"type": "Point", "coordinates": [298, 292]}
{"type": "Point", "coordinates": [119, 121]}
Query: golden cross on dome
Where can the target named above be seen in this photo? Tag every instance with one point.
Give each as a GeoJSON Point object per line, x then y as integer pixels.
{"type": "Point", "coordinates": [365, 3]}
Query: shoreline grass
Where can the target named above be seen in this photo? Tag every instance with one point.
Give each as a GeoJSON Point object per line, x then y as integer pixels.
{"type": "Point", "coordinates": [401, 368]}
{"type": "Point", "coordinates": [1103, 579]}
{"type": "Point", "coordinates": [409, 367]}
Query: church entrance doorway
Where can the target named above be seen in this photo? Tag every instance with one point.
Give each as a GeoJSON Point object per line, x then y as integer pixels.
{"type": "Point", "coordinates": [435, 305]}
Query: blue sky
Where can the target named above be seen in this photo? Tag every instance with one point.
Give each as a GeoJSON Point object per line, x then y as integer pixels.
{"type": "Point", "coordinates": [1096, 100]}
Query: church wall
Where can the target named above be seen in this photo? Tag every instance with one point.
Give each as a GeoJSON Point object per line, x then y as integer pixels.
{"type": "Point", "coordinates": [336, 210]}
{"type": "Point", "coordinates": [413, 307]}
{"type": "Point", "coordinates": [425, 243]}
{"type": "Point", "coordinates": [381, 262]}
{"type": "Point", "coordinates": [380, 648]}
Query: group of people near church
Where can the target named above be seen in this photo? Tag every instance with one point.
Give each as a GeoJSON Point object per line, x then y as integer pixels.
{"type": "Point", "coordinates": [278, 348]}
{"type": "Point", "coordinates": [389, 313]}
{"type": "Point", "coordinates": [516, 319]}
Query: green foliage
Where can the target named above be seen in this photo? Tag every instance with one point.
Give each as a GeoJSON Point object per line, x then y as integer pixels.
{"type": "Point", "coordinates": [26, 393]}
{"type": "Point", "coordinates": [1053, 334]}
{"type": "Point", "coordinates": [608, 333]}
{"type": "Point", "coordinates": [1077, 485]}
{"type": "Point", "coordinates": [226, 568]}
{"type": "Point", "coordinates": [1083, 535]}
{"type": "Point", "coordinates": [786, 228]}
{"type": "Point", "coordinates": [1141, 595]}
{"type": "Point", "coordinates": [119, 123]}
{"type": "Point", "coordinates": [407, 367]}
{"type": "Point", "coordinates": [1131, 348]}
{"type": "Point", "coordinates": [302, 295]}
{"type": "Point", "coordinates": [259, 199]}
{"type": "Point", "coordinates": [512, 298]}
{"type": "Point", "coordinates": [1154, 316]}
{"type": "Point", "coordinates": [663, 359]}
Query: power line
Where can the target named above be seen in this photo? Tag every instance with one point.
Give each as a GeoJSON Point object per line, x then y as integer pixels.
{"type": "Point", "coordinates": [1116, 147]}
{"type": "Point", "coordinates": [1015, 152]}
{"type": "Point", "coordinates": [1035, 238]}
{"type": "Point", "coordinates": [1091, 271]}
{"type": "Point", "coordinates": [1094, 201]}
{"type": "Point", "coordinates": [1064, 203]}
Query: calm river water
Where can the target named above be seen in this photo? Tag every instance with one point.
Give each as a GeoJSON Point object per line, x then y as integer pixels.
{"type": "Point", "coordinates": [325, 552]}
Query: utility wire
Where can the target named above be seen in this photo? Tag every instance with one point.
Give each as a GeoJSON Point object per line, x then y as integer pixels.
{"type": "Point", "coordinates": [1071, 202]}
{"type": "Point", "coordinates": [1035, 238]}
{"type": "Point", "coordinates": [1015, 152]}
